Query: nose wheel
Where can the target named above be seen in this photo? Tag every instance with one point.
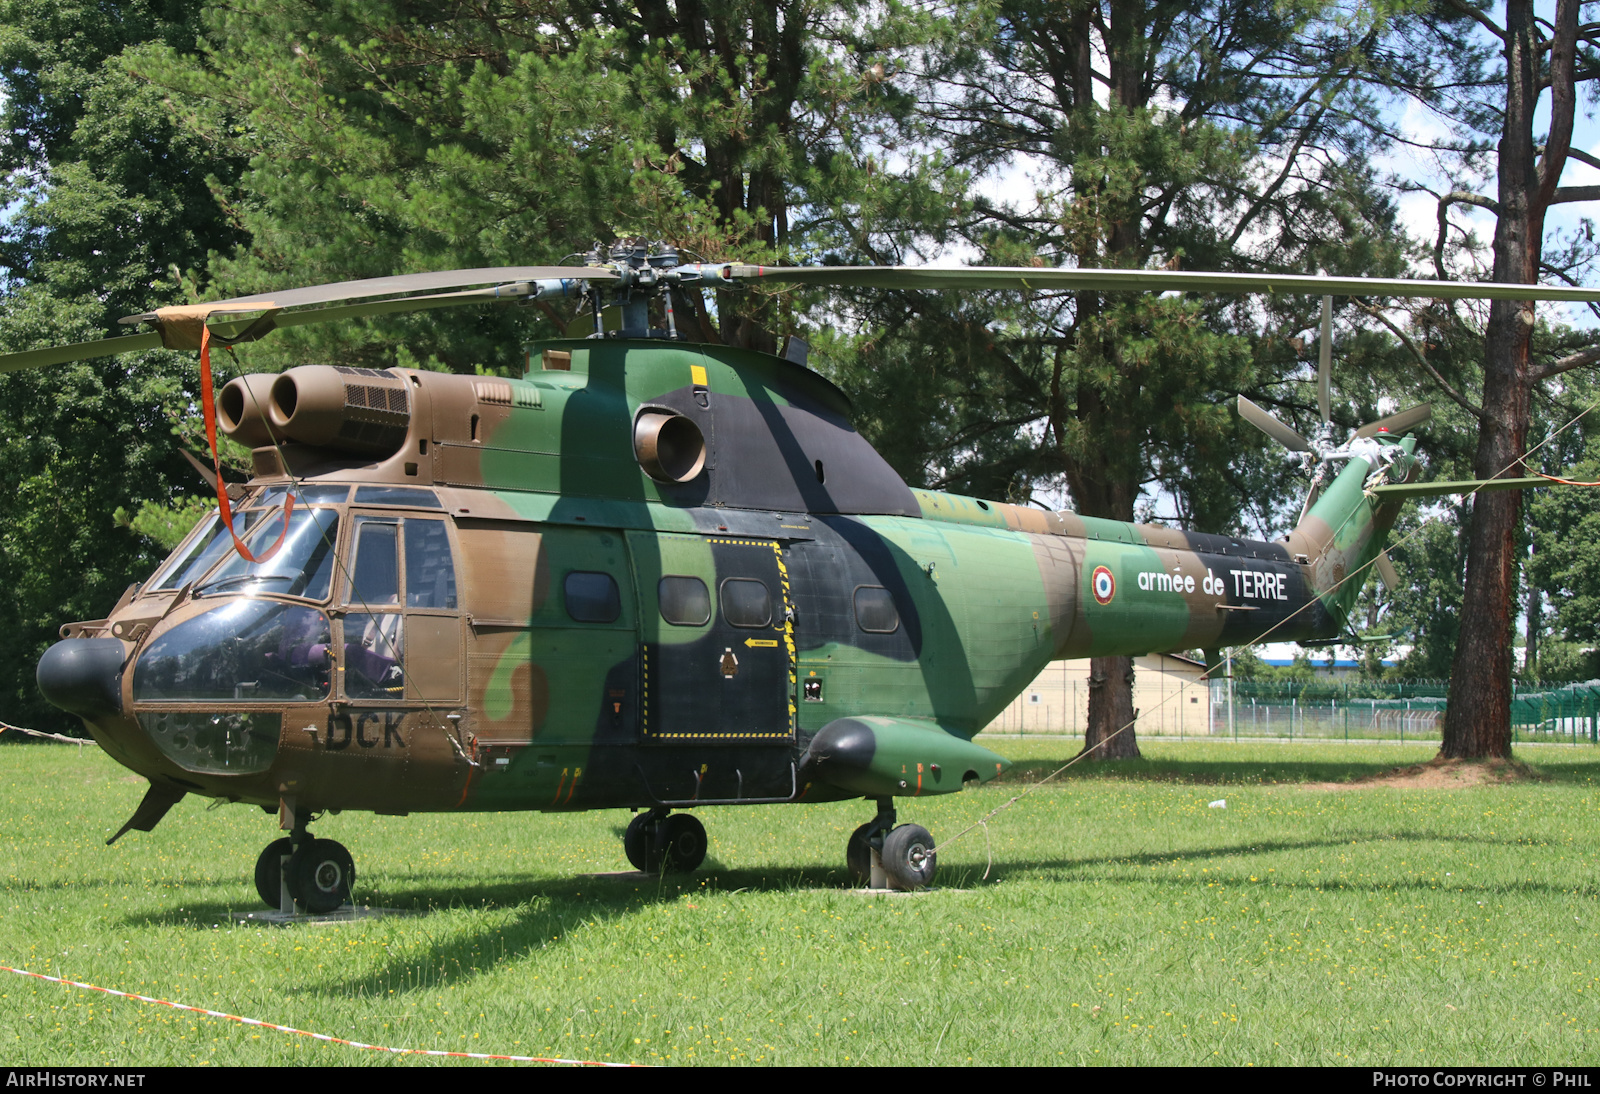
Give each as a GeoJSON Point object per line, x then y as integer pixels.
{"type": "Point", "coordinates": [657, 841]}
{"type": "Point", "coordinates": [881, 855]}
{"type": "Point", "coordinates": [301, 873]}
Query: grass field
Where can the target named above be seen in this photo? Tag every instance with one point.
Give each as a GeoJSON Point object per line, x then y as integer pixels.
{"type": "Point", "coordinates": [1123, 921]}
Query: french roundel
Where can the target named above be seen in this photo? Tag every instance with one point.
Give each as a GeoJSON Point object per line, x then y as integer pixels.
{"type": "Point", "coordinates": [1103, 585]}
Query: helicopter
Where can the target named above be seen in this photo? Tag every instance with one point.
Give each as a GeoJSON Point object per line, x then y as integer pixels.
{"type": "Point", "coordinates": [651, 574]}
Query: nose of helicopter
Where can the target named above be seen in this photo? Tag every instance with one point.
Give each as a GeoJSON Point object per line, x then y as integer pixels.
{"type": "Point", "coordinates": [83, 676]}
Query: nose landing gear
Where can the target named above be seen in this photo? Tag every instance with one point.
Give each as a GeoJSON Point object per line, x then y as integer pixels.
{"type": "Point", "coordinates": [302, 873]}
{"type": "Point", "coordinates": [883, 856]}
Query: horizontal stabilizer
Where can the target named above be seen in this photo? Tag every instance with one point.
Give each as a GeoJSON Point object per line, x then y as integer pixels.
{"type": "Point", "coordinates": [1465, 486]}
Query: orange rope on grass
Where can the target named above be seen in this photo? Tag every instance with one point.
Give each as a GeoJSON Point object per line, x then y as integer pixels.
{"type": "Point", "coordinates": [307, 1033]}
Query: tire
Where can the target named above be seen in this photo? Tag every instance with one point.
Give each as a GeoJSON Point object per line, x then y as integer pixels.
{"type": "Point", "coordinates": [682, 839]}
{"type": "Point", "coordinates": [641, 843]}
{"type": "Point", "coordinates": [321, 875]}
{"type": "Point", "coordinates": [858, 856]}
{"type": "Point", "coordinates": [269, 872]}
{"type": "Point", "coordinates": [908, 857]}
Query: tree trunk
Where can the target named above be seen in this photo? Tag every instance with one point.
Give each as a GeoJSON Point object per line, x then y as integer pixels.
{"type": "Point", "coordinates": [1478, 717]}
{"type": "Point", "coordinates": [1111, 713]}
{"type": "Point", "coordinates": [1105, 479]}
{"type": "Point", "coordinates": [1104, 489]}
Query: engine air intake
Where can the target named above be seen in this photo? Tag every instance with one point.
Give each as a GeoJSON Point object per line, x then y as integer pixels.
{"type": "Point", "coordinates": [243, 409]}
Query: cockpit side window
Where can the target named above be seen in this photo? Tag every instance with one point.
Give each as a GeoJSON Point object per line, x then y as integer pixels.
{"type": "Point", "coordinates": [375, 571]}
{"type": "Point", "coordinates": [402, 580]}
{"type": "Point", "coordinates": [374, 655]}
{"type": "Point", "coordinates": [430, 572]}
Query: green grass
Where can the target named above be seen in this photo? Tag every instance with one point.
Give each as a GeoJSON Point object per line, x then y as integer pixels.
{"type": "Point", "coordinates": [1123, 921]}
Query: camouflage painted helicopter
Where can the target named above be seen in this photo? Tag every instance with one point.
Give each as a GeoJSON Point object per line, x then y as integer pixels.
{"type": "Point", "coordinates": [649, 574]}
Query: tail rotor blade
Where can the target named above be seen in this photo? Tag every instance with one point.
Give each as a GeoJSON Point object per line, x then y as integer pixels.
{"type": "Point", "coordinates": [1325, 362]}
{"type": "Point", "coordinates": [1387, 573]}
{"type": "Point", "coordinates": [1398, 422]}
{"type": "Point", "coordinates": [1273, 428]}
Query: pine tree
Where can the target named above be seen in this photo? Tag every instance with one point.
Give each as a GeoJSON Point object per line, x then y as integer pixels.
{"type": "Point", "coordinates": [1217, 136]}
{"type": "Point", "coordinates": [110, 206]}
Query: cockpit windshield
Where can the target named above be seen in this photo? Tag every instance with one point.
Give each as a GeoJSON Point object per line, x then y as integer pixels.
{"type": "Point", "coordinates": [204, 551]}
{"type": "Point", "coordinates": [302, 566]}
{"type": "Point", "coordinates": [304, 494]}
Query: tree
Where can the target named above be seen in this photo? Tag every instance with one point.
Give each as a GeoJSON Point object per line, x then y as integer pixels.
{"type": "Point", "coordinates": [108, 205]}
{"type": "Point", "coordinates": [1206, 135]}
{"type": "Point", "coordinates": [386, 137]}
{"type": "Point", "coordinates": [1489, 79]}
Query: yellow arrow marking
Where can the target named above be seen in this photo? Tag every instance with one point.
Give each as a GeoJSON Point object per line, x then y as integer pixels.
{"type": "Point", "coordinates": [773, 642]}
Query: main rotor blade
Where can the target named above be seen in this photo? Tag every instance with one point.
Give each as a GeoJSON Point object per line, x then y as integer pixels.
{"type": "Point", "coordinates": [1325, 362]}
{"type": "Point", "coordinates": [1027, 277]}
{"type": "Point", "coordinates": [504, 294]}
{"type": "Point", "coordinates": [229, 329]}
{"type": "Point", "coordinates": [1273, 428]}
{"type": "Point", "coordinates": [1398, 422]}
{"type": "Point", "coordinates": [80, 351]}
{"type": "Point", "coordinates": [400, 283]}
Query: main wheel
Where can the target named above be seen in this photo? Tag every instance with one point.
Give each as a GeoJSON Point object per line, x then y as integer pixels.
{"type": "Point", "coordinates": [642, 843]}
{"type": "Point", "coordinates": [908, 857]}
{"type": "Point", "coordinates": [682, 839]}
{"type": "Point", "coordinates": [858, 855]}
{"type": "Point", "coordinates": [321, 875]}
{"type": "Point", "coordinates": [269, 872]}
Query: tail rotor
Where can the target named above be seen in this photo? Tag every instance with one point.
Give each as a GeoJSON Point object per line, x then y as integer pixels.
{"type": "Point", "coordinates": [1320, 450]}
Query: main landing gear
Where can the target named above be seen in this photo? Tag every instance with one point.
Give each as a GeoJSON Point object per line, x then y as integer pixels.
{"type": "Point", "coordinates": [882, 856]}
{"type": "Point", "coordinates": [302, 873]}
{"type": "Point", "coordinates": [657, 841]}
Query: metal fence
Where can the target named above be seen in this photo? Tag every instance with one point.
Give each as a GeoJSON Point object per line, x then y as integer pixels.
{"type": "Point", "coordinates": [1365, 710]}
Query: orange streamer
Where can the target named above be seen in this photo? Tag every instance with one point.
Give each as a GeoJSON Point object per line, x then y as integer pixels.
{"type": "Point", "coordinates": [1565, 482]}
{"type": "Point", "coordinates": [208, 406]}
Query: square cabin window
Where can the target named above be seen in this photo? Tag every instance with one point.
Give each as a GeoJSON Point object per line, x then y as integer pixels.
{"type": "Point", "coordinates": [746, 602]}
{"type": "Point", "coordinates": [875, 611]}
{"type": "Point", "coordinates": [685, 601]}
{"type": "Point", "coordinates": [592, 597]}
